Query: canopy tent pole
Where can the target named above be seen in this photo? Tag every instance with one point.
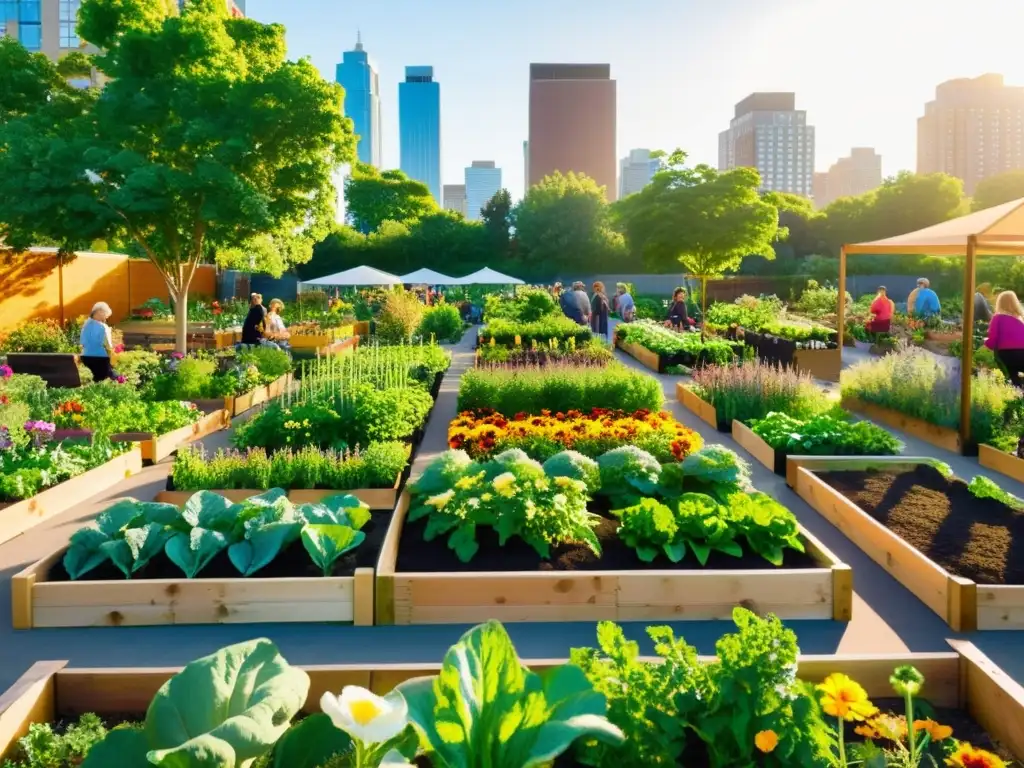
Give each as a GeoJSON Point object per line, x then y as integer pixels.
{"type": "Point", "coordinates": [967, 358]}
{"type": "Point", "coordinates": [841, 312]}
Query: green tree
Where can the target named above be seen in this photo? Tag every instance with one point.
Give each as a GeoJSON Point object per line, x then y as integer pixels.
{"type": "Point", "coordinates": [497, 218]}
{"type": "Point", "coordinates": [205, 139]}
{"type": "Point", "coordinates": [373, 197]}
{"type": "Point", "coordinates": [563, 223]}
{"type": "Point", "coordinates": [996, 190]}
{"type": "Point", "coordinates": [700, 218]}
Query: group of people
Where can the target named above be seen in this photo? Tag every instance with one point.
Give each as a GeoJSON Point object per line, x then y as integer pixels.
{"type": "Point", "coordinates": [596, 309]}
{"type": "Point", "coordinates": [264, 325]}
{"type": "Point", "coordinates": [922, 304]}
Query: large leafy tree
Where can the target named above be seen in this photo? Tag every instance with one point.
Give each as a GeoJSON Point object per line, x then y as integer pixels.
{"type": "Point", "coordinates": [996, 190]}
{"type": "Point", "coordinates": [563, 224]}
{"type": "Point", "coordinates": [702, 219]}
{"type": "Point", "coordinates": [205, 139]}
{"type": "Point", "coordinates": [497, 218]}
{"type": "Point", "coordinates": [373, 197]}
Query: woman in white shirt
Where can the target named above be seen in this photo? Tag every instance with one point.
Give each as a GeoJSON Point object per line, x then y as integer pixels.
{"type": "Point", "coordinates": [275, 330]}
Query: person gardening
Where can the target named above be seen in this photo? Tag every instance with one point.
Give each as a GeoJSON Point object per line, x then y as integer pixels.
{"type": "Point", "coordinates": [1006, 335]}
{"type": "Point", "coordinates": [925, 301]}
{"type": "Point", "coordinates": [882, 309]}
{"type": "Point", "coordinates": [97, 342]}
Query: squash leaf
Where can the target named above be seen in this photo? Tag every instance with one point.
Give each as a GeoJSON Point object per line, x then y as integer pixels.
{"type": "Point", "coordinates": [326, 543]}
{"type": "Point", "coordinates": [146, 543]}
{"type": "Point", "coordinates": [192, 552]}
{"type": "Point", "coordinates": [85, 552]}
{"type": "Point", "coordinates": [261, 547]}
{"type": "Point", "coordinates": [310, 743]}
{"type": "Point", "coordinates": [124, 747]}
{"type": "Point", "coordinates": [203, 504]}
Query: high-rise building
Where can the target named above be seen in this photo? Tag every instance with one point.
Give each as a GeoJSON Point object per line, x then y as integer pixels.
{"type": "Point", "coordinates": [526, 167]}
{"type": "Point", "coordinates": [483, 180]}
{"type": "Point", "coordinates": [972, 130]}
{"type": "Point", "coordinates": [358, 76]}
{"type": "Point", "coordinates": [768, 133]}
{"type": "Point", "coordinates": [636, 171]}
{"type": "Point", "coordinates": [572, 123]}
{"type": "Point", "coordinates": [455, 198]}
{"type": "Point", "coordinates": [419, 126]}
{"type": "Point", "coordinates": [854, 175]}
{"type": "Point", "coordinates": [46, 26]}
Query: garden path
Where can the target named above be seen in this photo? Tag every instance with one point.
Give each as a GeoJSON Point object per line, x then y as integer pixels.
{"type": "Point", "coordinates": [886, 617]}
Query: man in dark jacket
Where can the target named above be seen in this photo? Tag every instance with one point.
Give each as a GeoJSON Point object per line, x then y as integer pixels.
{"type": "Point", "coordinates": [252, 328]}
{"type": "Point", "coordinates": [582, 302]}
{"type": "Point", "coordinates": [570, 305]}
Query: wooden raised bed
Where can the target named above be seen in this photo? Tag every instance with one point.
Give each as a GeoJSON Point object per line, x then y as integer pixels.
{"type": "Point", "coordinates": [375, 498]}
{"type": "Point", "coordinates": [37, 603]}
{"type": "Point", "coordinates": [963, 604]}
{"type": "Point", "coordinates": [340, 347]}
{"type": "Point", "coordinates": [941, 437]}
{"type": "Point", "coordinates": [824, 364]}
{"type": "Point", "coordinates": [964, 678]}
{"type": "Point", "coordinates": [18, 517]}
{"type": "Point", "coordinates": [758, 448]}
{"type": "Point", "coordinates": [236, 405]}
{"type": "Point", "coordinates": [825, 592]}
{"type": "Point", "coordinates": [57, 369]}
{"type": "Point", "coordinates": [642, 355]}
{"type": "Point", "coordinates": [1002, 462]}
{"type": "Point", "coordinates": [692, 402]}
{"type": "Point", "coordinates": [158, 447]}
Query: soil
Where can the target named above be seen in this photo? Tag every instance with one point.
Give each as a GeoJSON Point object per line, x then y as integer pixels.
{"type": "Point", "coordinates": [291, 562]}
{"type": "Point", "coordinates": [418, 556]}
{"type": "Point", "coordinates": [979, 539]}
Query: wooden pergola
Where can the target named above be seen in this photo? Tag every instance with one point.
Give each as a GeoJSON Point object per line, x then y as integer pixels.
{"type": "Point", "coordinates": [997, 231]}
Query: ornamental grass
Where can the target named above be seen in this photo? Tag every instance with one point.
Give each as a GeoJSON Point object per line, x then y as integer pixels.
{"type": "Point", "coordinates": [755, 389]}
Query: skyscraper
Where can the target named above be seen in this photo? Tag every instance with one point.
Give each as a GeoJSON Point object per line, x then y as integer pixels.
{"type": "Point", "coordinates": [46, 26]}
{"type": "Point", "coordinates": [483, 180]}
{"type": "Point", "coordinates": [768, 133]}
{"type": "Point", "coordinates": [358, 76]}
{"type": "Point", "coordinates": [849, 176]}
{"type": "Point", "coordinates": [636, 171]}
{"type": "Point", "coordinates": [419, 125]}
{"type": "Point", "coordinates": [972, 130]}
{"type": "Point", "coordinates": [526, 167]}
{"type": "Point", "coordinates": [455, 198]}
{"type": "Point", "coordinates": [572, 123]}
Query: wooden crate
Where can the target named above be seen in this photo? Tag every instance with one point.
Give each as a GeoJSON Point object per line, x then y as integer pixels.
{"type": "Point", "coordinates": [941, 437]}
{"type": "Point", "coordinates": [311, 341]}
{"type": "Point", "coordinates": [37, 603]}
{"type": "Point", "coordinates": [376, 498]}
{"type": "Point", "coordinates": [692, 402]}
{"type": "Point", "coordinates": [964, 678]}
{"type": "Point", "coordinates": [642, 355]}
{"type": "Point", "coordinates": [758, 448]}
{"type": "Point", "coordinates": [825, 592]}
{"type": "Point", "coordinates": [18, 517]}
{"type": "Point", "coordinates": [963, 604]}
{"type": "Point", "coordinates": [1002, 462]}
{"type": "Point", "coordinates": [824, 364]}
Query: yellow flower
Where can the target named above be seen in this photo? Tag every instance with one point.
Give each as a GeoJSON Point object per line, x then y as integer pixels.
{"type": "Point", "coordinates": [936, 731]}
{"type": "Point", "coordinates": [845, 698]}
{"type": "Point", "coordinates": [438, 502]}
{"type": "Point", "coordinates": [492, 341]}
{"type": "Point", "coordinates": [467, 482]}
{"type": "Point", "coordinates": [890, 727]}
{"type": "Point", "coordinates": [967, 756]}
{"type": "Point", "coordinates": [541, 485]}
{"type": "Point", "coordinates": [766, 741]}
{"type": "Point", "coordinates": [563, 482]}
{"type": "Point", "coordinates": [485, 497]}
{"type": "Point", "coordinates": [504, 484]}
{"type": "Point", "coordinates": [519, 341]}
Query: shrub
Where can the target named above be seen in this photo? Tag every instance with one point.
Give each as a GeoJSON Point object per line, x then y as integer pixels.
{"type": "Point", "coordinates": [442, 323]}
{"type": "Point", "coordinates": [38, 336]}
{"type": "Point", "coordinates": [270, 362]}
{"type": "Point", "coordinates": [819, 300]}
{"type": "Point", "coordinates": [400, 317]}
{"type": "Point", "coordinates": [559, 388]}
{"type": "Point", "coordinates": [528, 305]}
{"type": "Point", "coordinates": [649, 309]}
{"type": "Point", "coordinates": [755, 389]}
{"type": "Point", "coordinates": [139, 367]}
{"type": "Point", "coordinates": [831, 434]}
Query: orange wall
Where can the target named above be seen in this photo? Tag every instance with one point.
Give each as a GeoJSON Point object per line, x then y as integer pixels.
{"type": "Point", "coordinates": [30, 286]}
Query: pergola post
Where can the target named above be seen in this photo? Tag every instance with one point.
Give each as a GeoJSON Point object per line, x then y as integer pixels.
{"type": "Point", "coordinates": [841, 312]}
{"type": "Point", "coordinates": [967, 358]}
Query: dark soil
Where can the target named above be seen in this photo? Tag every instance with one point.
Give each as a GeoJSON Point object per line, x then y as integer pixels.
{"type": "Point", "coordinates": [418, 556]}
{"type": "Point", "coordinates": [292, 562]}
{"type": "Point", "coordinates": [979, 539]}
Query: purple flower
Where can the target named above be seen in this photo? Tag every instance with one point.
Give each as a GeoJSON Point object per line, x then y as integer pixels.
{"type": "Point", "coordinates": [41, 431]}
{"type": "Point", "coordinates": [120, 379]}
{"type": "Point", "coordinates": [177, 355]}
{"type": "Point", "coordinates": [6, 372]}
{"type": "Point", "coordinates": [5, 439]}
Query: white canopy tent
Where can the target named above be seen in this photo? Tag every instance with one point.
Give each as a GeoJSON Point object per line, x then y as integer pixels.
{"type": "Point", "coordinates": [357, 276]}
{"type": "Point", "coordinates": [426, 276]}
{"type": "Point", "coordinates": [488, 276]}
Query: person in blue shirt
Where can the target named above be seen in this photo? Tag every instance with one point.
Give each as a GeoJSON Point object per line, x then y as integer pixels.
{"type": "Point", "coordinates": [927, 302]}
{"type": "Point", "coordinates": [97, 342]}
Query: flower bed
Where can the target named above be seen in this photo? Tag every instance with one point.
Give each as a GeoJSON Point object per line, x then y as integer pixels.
{"type": "Point", "coordinates": [583, 540]}
{"type": "Point", "coordinates": [486, 432]}
{"type": "Point", "coordinates": [952, 544]}
{"type": "Point", "coordinates": [210, 561]}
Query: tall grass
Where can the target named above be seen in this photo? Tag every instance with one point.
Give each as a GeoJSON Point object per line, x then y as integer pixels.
{"type": "Point", "coordinates": [755, 389]}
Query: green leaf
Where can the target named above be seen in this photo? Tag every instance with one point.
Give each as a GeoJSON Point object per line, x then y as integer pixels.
{"type": "Point", "coordinates": [647, 554]}
{"type": "Point", "coordinates": [675, 552]}
{"type": "Point", "coordinates": [463, 542]}
{"type": "Point", "coordinates": [117, 517]}
{"type": "Point", "coordinates": [326, 543]}
{"type": "Point", "coordinates": [262, 546]}
{"type": "Point", "coordinates": [225, 709]}
{"type": "Point", "coordinates": [310, 743]}
{"type": "Point", "coordinates": [701, 550]}
{"type": "Point", "coordinates": [120, 554]}
{"type": "Point", "coordinates": [161, 514]}
{"type": "Point", "coordinates": [730, 548]}
{"type": "Point", "coordinates": [124, 747]}
{"type": "Point", "coordinates": [85, 552]}
{"type": "Point", "coordinates": [146, 543]}
{"type": "Point", "coordinates": [438, 525]}
{"type": "Point", "coordinates": [203, 504]}
{"type": "Point", "coordinates": [194, 551]}
{"type": "Point", "coordinates": [268, 498]}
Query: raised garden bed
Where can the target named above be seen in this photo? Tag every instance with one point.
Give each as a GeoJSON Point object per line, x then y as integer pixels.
{"type": "Point", "coordinates": [288, 590]}
{"type": "Point", "coordinates": [941, 437]}
{"type": "Point", "coordinates": [236, 405]}
{"type": "Point", "coordinates": [423, 583]}
{"type": "Point", "coordinates": [957, 553]}
{"type": "Point", "coordinates": [18, 517]}
{"type": "Point", "coordinates": [1001, 461]}
{"type": "Point", "coordinates": [57, 369]}
{"type": "Point", "coordinates": [704, 410]}
{"type": "Point", "coordinates": [964, 680]}
{"type": "Point", "coordinates": [642, 355]}
{"type": "Point", "coordinates": [158, 447]}
{"type": "Point", "coordinates": [755, 445]}
{"type": "Point", "coordinates": [823, 364]}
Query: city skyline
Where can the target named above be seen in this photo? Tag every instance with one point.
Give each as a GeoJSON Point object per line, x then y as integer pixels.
{"type": "Point", "coordinates": [420, 125]}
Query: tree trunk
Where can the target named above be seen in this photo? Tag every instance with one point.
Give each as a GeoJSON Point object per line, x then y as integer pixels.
{"type": "Point", "coordinates": [703, 305]}
{"type": "Point", "coordinates": [181, 321]}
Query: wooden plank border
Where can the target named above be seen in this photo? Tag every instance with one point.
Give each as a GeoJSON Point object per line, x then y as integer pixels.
{"type": "Point", "coordinates": [824, 364]}
{"type": "Point", "coordinates": [753, 444]}
{"type": "Point", "coordinates": [19, 517]}
{"type": "Point", "coordinates": [941, 437]}
{"type": "Point", "coordinates": [825, 592]}
{"type": "Point", "coordinates": [641, 354]}
{"type": "Point", "coordinates": [964, 678]}
{"type": "Point", "coordinates": [964, 605]}
{"type": "Point", "coordinates": [692, 402]}
{"type": "Point", "coordinates": [159, 447]}
{"type": "Point", "coordinates": [1001, 462]}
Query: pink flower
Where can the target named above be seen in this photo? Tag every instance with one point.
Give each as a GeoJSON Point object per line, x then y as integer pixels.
{"type": "Point", "coordinates": [119, 349]}
{"type": "Point", "coordinates": [6, 372]}
{"type": "Point", "coordinates": [120, 379]}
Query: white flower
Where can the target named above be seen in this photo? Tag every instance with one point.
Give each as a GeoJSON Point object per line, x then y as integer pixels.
{"type": "Point", "coordinates": [365, 716]}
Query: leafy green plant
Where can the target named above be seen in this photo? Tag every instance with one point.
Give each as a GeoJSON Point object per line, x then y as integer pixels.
{"type": "Point", "coordinates": [628, 472]}
{"type": "Point", "coordinates": [223, 710]}
{"type": "Point", "coordinates": [714, 470]}
{"type": "Point", "coordinates": [511, 494]}
{"type": "Point", "coordinates": [752, 313]}
{"type": "Point", "coordinates": [828, 434]}
{"type": "Point", "coordinates": [527, 305]}
{"type": "Point", "coordinates": [270, 362]}
{"type": "Point", "coordinates": [38, 336]}
{"type": "Point", "coordinates": [575, 465]}
{"type": "Point", "coordinates": [983, 488]}
{"type": "Point", "coordinates": [441, 322]}
{"type": "Point", "coordinates": [43, 748]}
{"type": "Point", "coordinates": [253, 532]}
{"type": "Point", "coordinates": [27, 468]}
{"type": "Point", "coordinates": [486, 708]}
{"type": "Point", "coordinates": [557, 328]}
{"type": "Point", "coordinates": [139, 367]}
{"type": "Point", "coordinates": [689, 348]}
{"type": "Point", "coordinates": [768, 527]}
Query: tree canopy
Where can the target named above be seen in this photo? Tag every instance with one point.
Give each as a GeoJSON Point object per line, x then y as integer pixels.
{"type": "Point", "coordinates": [205, 139]}
{"type": "Point", "coordinates": [497, 218]}
{"type": "Point", "coordinates": [373, 197]}
{"type": "Point", "coordinates": [996, 190]}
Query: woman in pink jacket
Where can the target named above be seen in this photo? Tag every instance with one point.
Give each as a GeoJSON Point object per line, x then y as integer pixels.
{"type": "Point", "coordinates": [1006, 335]}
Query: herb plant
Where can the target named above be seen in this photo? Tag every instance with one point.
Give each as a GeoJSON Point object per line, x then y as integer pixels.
{"type": "Point", "coordinates": [828, 434]}
{"type": "Point", "coordinates": [43, 748]}
{"type": "Point", "coordinates": [689, 348]}
{"type": "Point", "coordinates": [755, 389]}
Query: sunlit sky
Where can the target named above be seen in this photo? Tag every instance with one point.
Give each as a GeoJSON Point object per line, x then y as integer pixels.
{"type": "Point", "coordinates": [862, 69]}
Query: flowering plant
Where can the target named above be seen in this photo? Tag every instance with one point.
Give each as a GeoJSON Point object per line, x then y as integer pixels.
{"type": "Point", "coordinates": [6, 371]}
{"type": "Point", "coordinates": [41, 432]}
{"type": "Point", "coordinates": [483, 432]}
{"type": "Point", "coordinates": [69, 415]}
